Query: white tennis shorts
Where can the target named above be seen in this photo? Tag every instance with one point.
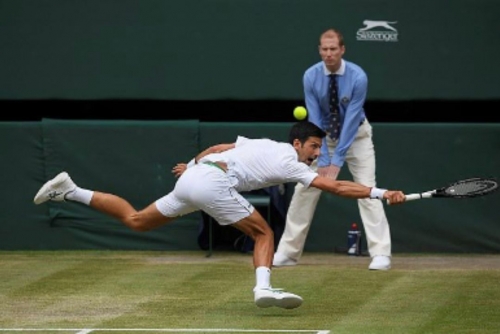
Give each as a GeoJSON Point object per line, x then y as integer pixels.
{"type": "Point", "coordinates": [207, 188]}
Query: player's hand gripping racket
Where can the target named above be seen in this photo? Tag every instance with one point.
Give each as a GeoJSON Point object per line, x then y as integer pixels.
{"type": "Point", "coordinates": [467, 188]}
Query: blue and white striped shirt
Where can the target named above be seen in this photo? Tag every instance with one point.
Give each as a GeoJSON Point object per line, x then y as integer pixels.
{"type": "Point", "coordinates": [352, 88]}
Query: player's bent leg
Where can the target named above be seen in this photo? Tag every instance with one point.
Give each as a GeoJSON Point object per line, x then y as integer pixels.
{"type": "Point", "coordinates": [62, 188]}
{"type": "Point", "coordinates": [117, 207]}
{"type": "Point", "coordinates": [256, 227]}
{"type": "Point", "coordinates": [265, 296]}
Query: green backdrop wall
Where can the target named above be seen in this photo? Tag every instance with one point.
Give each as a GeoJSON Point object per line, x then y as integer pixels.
{"type": "Point", "coordinates": [134, 159]}
{"type": "Point", "coordinates": [245, 49]}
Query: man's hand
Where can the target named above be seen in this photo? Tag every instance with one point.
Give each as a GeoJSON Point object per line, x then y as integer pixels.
{"type": "Point", "coordinates": [331, 172]}
{"type": "Point", "coordinates": [394, 196]}
{"type": "Point", "coordinates": [179, 169]}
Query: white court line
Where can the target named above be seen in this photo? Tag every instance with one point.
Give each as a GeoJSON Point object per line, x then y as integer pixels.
{"type": "Point", "coordinates": [187, 330]}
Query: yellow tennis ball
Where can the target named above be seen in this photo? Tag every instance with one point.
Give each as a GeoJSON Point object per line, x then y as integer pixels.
{"type": "Point", "coordinates": [300, 113]}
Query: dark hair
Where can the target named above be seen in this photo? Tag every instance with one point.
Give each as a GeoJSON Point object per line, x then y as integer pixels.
{"type": "Point", "coordinates": [303, 130]}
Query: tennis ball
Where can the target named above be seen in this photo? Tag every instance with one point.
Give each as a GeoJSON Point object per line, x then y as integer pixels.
{"type": "Point", "coordinates": [300, 113]}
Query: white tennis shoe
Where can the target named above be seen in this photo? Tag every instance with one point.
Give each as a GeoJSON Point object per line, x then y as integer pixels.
{"type": "Point", "coordinates": [267, 297]}
{"type": "Point", "coordinates": [380, 262]}
{"type": "Point", "coordinates": [55, 189]}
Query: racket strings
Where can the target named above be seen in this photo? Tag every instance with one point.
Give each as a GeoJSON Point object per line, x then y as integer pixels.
{"type": "Point", "coordinates": [469, 188]}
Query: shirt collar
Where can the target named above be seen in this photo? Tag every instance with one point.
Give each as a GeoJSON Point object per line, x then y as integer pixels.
{"type": "Point", "coordinates": [340, 71]}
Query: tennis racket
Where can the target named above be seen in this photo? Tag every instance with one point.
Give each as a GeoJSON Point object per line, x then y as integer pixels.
{"type": "Point", "coordinates": [467, 188]}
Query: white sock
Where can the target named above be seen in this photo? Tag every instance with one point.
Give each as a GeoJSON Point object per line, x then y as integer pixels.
{"type": "Point", "coordinates": [263, 277]}
{"type": "Point", "coordinates": [80, 195]}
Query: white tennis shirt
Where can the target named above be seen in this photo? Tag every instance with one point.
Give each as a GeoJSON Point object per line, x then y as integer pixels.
{"type": "Point", "coordinates": [260, 163]}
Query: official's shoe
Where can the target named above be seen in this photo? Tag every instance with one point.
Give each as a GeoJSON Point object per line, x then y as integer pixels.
{"type": "Point", "coordinates": [267, 297]}
{"type": "Point", "coordinates": [380, 262]}
{"type": "Point", "coordinates": [55, 189]}
{"type": "Point", "coordinates": [280, 260]}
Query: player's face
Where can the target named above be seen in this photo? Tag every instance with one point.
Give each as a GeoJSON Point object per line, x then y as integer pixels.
{"type": "Point", "coordinates": [309, 151]}
{"type": "Point", "coordinates": [331, 52]}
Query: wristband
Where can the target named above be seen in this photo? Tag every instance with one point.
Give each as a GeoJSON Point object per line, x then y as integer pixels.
{"type": "Point", "coordinates": [377, 193]}
{"type": "Point", "coordinates": [191, 163]}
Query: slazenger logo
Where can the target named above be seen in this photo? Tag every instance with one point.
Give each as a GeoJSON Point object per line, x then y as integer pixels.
{"type": "Point", "coordinates": [387, 33]}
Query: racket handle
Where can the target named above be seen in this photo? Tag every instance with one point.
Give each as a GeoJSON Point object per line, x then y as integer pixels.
{"type": "Point", "coordinates": [412, 197]}
{"type": "Point", "coordinates": [409, 197]}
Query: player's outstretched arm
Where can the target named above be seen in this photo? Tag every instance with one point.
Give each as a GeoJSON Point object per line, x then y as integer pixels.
{"type": "Point", "coordinates": [356, 190]}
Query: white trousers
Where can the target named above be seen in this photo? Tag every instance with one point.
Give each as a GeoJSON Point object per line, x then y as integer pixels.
{"type": "Point", "coordinates": [360, 160]}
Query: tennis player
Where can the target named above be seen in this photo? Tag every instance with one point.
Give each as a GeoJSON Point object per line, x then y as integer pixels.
{"type": "Point", "coordinates": [212, 182]}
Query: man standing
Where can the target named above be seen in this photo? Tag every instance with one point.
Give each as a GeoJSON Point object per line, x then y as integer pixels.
{"type": "Point", "coordinates": [335, 92]}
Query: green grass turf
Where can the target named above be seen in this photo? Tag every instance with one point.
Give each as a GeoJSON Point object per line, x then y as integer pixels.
{"type": "Point", "coordinates": [186, 290]}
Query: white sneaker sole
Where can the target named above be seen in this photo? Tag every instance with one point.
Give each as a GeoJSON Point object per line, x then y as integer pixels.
{"type": "Point", "coordinates": [41, 196]}
{"type": "Point", "coordinates": [287, 302]}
